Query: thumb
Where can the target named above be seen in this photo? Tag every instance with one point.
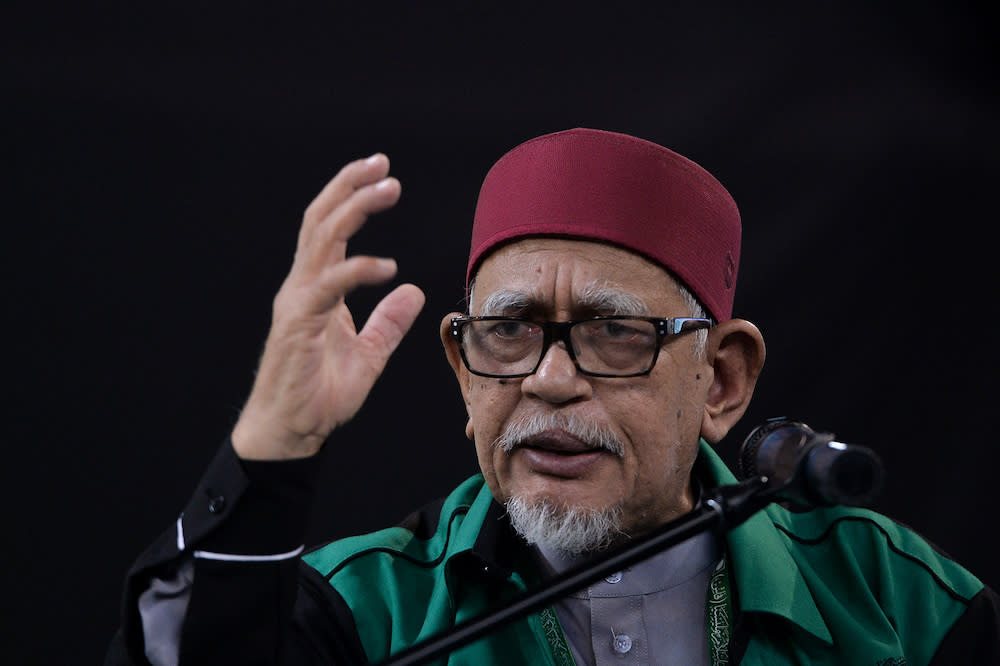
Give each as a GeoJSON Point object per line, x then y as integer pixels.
{"type": "Point", "coordinates": [389, 322]}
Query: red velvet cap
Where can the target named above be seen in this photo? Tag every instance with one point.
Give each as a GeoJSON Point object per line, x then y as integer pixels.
{"type": "Point", "coordinates": [603, 186]}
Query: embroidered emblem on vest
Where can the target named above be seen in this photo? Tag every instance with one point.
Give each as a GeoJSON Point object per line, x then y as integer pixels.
{"type": "Point", "coordinates": [557, 641]}
{"type": "Point", "coordinates": [718, 615]}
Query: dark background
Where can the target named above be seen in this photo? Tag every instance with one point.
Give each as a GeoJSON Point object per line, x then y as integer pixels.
{"type": "Point", "coordinates": [158, 161]}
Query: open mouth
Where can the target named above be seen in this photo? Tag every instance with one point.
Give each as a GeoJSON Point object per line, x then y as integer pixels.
{"type": "Point", "coordinates": [557, 453]}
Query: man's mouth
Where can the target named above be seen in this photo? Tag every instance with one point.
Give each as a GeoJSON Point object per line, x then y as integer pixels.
{"type": "Point", "coordinates": [558, 441]}
{"type": "Point", "coordinates": [558, 453]}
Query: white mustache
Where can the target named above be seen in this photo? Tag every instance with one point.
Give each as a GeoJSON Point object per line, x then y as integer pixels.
{"type": "Point", "coordinates": [595, 435]}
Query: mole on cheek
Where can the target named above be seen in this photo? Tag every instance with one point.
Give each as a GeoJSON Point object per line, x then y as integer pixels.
{"type": "Point", "coordinates": [698, 376]}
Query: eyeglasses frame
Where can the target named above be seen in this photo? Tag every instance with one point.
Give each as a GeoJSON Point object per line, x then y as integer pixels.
{"type": "Point", "coordinates": [558, 331]}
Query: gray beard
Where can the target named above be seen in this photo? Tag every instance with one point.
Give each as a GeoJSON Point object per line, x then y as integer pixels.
{"type": "Point", "coordinates": [570, 530]}
{"type": "Point", "coordinates": [547, 524]}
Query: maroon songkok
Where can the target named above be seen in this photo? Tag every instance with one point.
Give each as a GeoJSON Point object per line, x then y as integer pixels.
{"type": "Point", "coordinates": [614, 188]}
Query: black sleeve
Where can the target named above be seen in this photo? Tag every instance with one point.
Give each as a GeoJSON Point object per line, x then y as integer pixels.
{"type": "Point", "coordinates": [244, 606]}
{"type": "Point", "coordinates": [975, 638]}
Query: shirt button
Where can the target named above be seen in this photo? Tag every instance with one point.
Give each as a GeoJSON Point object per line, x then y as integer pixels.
{"type": "Point", "coordinates": [622, 643]}
{"type": "Point", "coordinates": [216, 504]}
{"type": "Point", "coordinates": [616, 577]}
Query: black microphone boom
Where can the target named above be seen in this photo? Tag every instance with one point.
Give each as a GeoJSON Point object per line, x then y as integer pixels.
{"type": "Point", "coordinates": [810, 468]}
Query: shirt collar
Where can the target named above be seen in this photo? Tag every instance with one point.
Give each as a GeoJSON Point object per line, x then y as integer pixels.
{"type": "Point", "coordinates": [486, 548]}
{"type": "Point", "coordinates": [767, 577]}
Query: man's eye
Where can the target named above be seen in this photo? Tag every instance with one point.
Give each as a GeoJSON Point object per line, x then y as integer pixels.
{"type": "Point", "coordinates": [510, 329]}
{"type": "Point", "coordinates": [617, 330]}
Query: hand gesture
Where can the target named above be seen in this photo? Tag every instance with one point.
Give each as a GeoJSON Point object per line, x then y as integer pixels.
{"type": "Point", "coordinates": [317, 368]}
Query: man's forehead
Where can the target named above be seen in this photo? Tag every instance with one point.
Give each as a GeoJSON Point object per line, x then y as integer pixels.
{"type": "Point", "coordinates": [532, 273]}
{"type": "Point", "coordinates": [599, 296]}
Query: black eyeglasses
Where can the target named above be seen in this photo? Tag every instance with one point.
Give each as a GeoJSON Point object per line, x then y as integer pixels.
{"type": "Point", "coordinates": [599, 346]}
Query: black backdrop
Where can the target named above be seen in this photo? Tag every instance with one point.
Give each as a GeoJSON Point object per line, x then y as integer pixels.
{"type": "Point", "coordinates": [158, 161]}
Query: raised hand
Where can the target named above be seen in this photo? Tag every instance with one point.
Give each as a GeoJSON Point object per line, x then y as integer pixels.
{"type": "Point", "coordinates": [317, 369]}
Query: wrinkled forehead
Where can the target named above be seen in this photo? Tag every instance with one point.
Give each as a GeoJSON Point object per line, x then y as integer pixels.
{"type": "Point", "coordinates": [595, 296]}
{"type": "Point", "coordinates": [540, 275]}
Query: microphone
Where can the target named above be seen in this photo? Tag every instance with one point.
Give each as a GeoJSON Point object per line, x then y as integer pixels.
{"type": "Point", "coordinates": [810, 468]}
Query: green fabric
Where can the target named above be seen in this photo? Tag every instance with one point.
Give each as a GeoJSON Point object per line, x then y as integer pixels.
{"type": "Point", "coordinates": [557, 639]}
{"type": "Point", "coordinates": [852, 586]}
{"type": "Point", "coordinates": [401, 589]}
{"type": "Point", "coordinates": [857, 587]}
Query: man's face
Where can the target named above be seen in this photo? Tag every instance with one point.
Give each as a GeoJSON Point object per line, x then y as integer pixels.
{"type": "Point", "coordinates": [657, 417]}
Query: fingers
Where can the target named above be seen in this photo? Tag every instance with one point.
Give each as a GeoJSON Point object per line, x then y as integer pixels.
{"type": "Point", "coordinates": [344, 221]}
{"type": "Point", "coordinates": [351, 177]}
{"type": "Point", "coordinates": [359, 190]}
{"type": "Point", "coordinates": [339, 279]}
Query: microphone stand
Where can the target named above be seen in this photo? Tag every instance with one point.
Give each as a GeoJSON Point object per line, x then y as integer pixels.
{"type": "Point", "coordinates": [723, 509]}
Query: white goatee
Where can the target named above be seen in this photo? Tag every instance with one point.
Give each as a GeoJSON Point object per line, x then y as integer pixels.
{"type": "Point", "coordinates": [569, 530]}
{"type": "Point", "coordinates": [544, 522]}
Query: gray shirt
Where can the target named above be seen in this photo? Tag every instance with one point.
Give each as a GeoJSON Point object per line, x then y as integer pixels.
{"type": "Point", "coordinates": [651, 613]}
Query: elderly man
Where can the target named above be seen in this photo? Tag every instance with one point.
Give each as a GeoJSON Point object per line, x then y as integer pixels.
{"type": "Point", "coordinates": [598, 359]}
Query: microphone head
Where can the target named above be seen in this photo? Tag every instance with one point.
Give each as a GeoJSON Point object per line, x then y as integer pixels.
{"type": "Point", "coordinates": [809, 469]}
{"type": "Point", "coordinates": [841, 474]}
{"type": "Point", "coordinates": [765, 450]}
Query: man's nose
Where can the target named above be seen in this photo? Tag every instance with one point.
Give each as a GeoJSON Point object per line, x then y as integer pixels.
{"type": "Point", "coordinates": [557, 379]}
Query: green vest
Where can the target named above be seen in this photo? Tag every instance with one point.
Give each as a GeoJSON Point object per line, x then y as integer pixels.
{"type": "Point", "coordinates": [829, 586]}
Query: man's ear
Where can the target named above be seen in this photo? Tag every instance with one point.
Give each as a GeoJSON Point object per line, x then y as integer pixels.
{"type": "Point", "coordinates": [735, 350]}
{"type": "Point", "coordinates": [454, 356]}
